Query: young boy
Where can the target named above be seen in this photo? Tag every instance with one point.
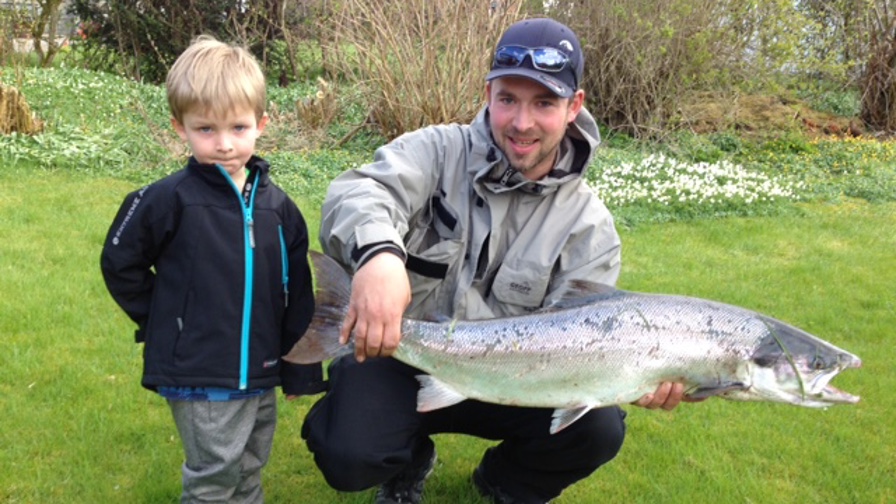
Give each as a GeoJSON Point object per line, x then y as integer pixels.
{"type": "Point", "coordinates": [211, 264]}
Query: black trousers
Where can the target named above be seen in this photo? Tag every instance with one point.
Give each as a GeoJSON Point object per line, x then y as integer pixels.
{"type": "Point", "coordinates": [366, 429]}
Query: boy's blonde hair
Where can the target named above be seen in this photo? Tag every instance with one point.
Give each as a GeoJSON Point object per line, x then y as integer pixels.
{"type": "Point", "coordinates": [217, 78]}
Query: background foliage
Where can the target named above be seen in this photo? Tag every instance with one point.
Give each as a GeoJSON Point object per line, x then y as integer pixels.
{"type": "Point", "coordinates": [416, 62]}
{"type": "Point", "coordinates": [146, 37]}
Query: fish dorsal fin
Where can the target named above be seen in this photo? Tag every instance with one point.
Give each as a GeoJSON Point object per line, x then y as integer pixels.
{"type": "Point", "coordinates": [584, 292]}
{"type": "Point", "coordinates": [563, 418]}
{"type": "Point", "coordinates": [435, 394]}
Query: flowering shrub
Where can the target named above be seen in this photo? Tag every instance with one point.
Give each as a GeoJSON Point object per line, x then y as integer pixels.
{"type": "Point", "coordinates": [658, 179]}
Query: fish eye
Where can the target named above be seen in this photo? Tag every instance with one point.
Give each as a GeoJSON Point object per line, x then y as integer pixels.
{"type": "Point", "coordinates": [818, 363]}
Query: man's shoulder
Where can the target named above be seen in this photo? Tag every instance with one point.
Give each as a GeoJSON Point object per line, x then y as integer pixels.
{"type": "Point", "coordinates": [441, 133]}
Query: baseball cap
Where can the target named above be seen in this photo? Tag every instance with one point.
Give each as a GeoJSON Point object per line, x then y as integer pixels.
{"type": "Point", "coordinates": [543, 50]}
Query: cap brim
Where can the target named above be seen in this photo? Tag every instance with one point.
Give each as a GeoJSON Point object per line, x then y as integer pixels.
{"type": "Point", "coordinates": [554, 85]}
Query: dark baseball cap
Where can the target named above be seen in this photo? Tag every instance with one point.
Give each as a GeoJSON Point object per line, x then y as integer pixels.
{"type": "Point", "coordinates": [543, 50]}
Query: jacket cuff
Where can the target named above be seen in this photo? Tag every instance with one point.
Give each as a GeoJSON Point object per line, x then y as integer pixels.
{"type": "Point", "coordinates": [360, 256]}
{"type": "Point", "coordinates": [302, 379]}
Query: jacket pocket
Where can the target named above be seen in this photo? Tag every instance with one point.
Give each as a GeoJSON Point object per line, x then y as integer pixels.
{"type": "Point", "coordinates": [435, 248]}
{"type": "Point", "coordinates": [435, 223]}
{"type": "Point", "coordinates": [430, 274]}
{"type": "Point", "coordinates": [521, 284]}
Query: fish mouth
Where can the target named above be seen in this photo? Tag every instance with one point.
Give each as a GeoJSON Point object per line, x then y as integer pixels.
{"type": "Point", "coordinates": [828, 394]}
{"type": "Point", "coordinates": [833, 395]}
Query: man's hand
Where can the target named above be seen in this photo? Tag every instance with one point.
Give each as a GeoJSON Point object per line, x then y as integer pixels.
{"type": "Point", "coordinates": [380, 293]}
{"type": "Point", "coordinates": [667, 396]}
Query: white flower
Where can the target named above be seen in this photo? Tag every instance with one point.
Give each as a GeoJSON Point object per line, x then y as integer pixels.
{"type": "Point", "coordinates": [659, 179]}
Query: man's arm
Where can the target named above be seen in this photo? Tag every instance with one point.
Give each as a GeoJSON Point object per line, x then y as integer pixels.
{"type": "Point", "coordinates": [365, 217]}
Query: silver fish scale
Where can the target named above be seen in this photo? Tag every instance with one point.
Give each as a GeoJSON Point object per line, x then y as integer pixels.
{"type": "Point", "coordinates": [606, 353]}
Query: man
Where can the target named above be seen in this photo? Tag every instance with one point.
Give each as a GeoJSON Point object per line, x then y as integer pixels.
{"type": "Point", "coordinates": [469, 221]}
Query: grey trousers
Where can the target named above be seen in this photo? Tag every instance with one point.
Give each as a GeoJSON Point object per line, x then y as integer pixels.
{"type": "Point", "coordinates": [226, 443]}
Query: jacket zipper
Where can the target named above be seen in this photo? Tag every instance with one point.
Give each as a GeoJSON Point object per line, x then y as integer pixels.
{"type": "Point", "coordinates": [284, 266]}
{"type": "Point", "coordinates": [249, 244]}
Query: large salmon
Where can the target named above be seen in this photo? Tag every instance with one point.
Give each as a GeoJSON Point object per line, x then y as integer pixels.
{"type": "Point", "coordinates": [600, 346]}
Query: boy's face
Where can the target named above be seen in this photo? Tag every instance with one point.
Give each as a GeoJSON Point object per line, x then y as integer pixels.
{"type": "Point", "coordinates": [228, 141]}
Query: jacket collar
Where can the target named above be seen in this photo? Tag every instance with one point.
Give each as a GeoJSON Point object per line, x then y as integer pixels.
{"type": "Point", "coordinates": [258, 170]}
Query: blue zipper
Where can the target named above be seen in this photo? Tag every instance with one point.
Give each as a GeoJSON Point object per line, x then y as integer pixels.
{"type": "Point", "coordinates": [284, 266]}
{"type": "Point", "coordinates": [249, 244]}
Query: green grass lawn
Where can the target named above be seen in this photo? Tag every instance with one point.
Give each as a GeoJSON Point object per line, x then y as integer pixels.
{"type": "Point", "coordinates": [77, 427]}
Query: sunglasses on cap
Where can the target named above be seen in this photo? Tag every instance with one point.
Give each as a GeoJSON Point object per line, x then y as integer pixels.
{"type": "Point", "coordinates": [546, 59]}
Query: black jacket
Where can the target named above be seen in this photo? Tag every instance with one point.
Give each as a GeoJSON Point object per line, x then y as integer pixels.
{"type": "Point", "coordinates": [218, 294]}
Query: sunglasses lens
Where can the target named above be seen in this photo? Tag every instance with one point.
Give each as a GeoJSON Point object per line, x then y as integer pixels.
{"type": "Point", "coordinates": [546, 59]}
{"type": "Point", "coordinates": [510, 56]}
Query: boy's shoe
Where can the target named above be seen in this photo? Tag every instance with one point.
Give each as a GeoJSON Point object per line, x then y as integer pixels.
{"type": "Point", "coordinates": [492, 492]}
{"type": "Point", "coordinates": [407, 486]}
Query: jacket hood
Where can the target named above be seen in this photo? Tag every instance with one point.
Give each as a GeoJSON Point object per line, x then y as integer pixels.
{"type": "Point", "coordinates": [582, 138]}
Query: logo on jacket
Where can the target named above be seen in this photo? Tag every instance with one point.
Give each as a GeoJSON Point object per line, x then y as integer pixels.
{"type": "Point", "coordinates": [522, 288]}
{"type": "Point", "coordinates": [127, 218]}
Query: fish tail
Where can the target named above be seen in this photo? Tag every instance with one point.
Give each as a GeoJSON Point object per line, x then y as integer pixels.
{"type": "Point", "coordinates": [331, 298]}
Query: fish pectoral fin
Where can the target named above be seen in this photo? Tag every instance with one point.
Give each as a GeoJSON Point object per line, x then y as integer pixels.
{"type": "Point", "coordinates": [563, 418]}
{"type": "Point", "coordinates": [702, 392]}
{"type": "Point", "coordinates": [435, 394]}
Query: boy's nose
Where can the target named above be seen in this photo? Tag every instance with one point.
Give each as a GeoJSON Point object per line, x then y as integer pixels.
{"type": "Point", "coordinates": [225, 145]}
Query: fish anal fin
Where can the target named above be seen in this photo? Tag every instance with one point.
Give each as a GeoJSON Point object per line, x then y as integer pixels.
{"type": "Point", "coordinates": [563, 418]}
{"type": "Point", "coordinates": [435, 394]}
{"type": "Point", "coordinates": [704, 391]}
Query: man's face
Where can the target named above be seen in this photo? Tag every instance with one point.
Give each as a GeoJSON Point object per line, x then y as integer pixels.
{"type": "Point", "coordinates": [528, 122]}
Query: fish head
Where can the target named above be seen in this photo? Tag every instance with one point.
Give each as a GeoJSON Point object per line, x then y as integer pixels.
{"type": "Point", "coordinates": [792, 366]}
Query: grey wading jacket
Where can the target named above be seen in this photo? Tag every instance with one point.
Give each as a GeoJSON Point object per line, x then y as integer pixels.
{"type": "Point", "coordinates": [481, 240]}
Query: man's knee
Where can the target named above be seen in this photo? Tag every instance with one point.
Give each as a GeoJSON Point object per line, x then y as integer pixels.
{"type": "Point", "coordinates": [347, 470]}
{"type": "Point", "coordinates": [601, 434]}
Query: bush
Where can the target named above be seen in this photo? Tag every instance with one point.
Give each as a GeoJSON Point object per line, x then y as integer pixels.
{"type": "Point", "coordinates": [148, 36]}
{"type": "Point", "coordinates": [646, 58]}
{"type": "Point", "coordinates": [418, 62]}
